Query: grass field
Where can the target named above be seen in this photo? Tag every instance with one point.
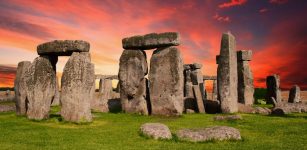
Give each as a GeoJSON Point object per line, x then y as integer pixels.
{"type": "Point", "coordinates": [120, 131]}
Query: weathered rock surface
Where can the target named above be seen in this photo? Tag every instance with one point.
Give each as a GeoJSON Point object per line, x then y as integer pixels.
{"type": "Point", "coordinates": [63, 47]}
{"type": "Point", "coordinates": [282, 108]}
{"type": "Point", "coordinates": [20, 87]}
{"type": "Point", "coordinates": [244, 55]}
{"type": "Point", "coordinates": [156, 131]}
{"type": "Point", "coordinates": [261, 110]}
{"type": "Point", "coordinates": [40, 79]}
{"type": "Point", "coordinates": [56, 98]}
{"type": "Point", "coordinates": [152, 40]}
{"type": "Point", "coordinates": [132, 71]}
{"type": "Point", "coordinates": [166, 82]}
{"type": "Point", "coordinates": [273, 90]}
{"type": "Point", "coordinates": [228, 117]}
{"type": "Point", "coordinates": [294, 95]}
{"type": "Point", "coordinates": [214, 91]}
{"type": "Point", "coordinates": [199, 99]}
{"type": "Point", "coordinates": [77, 82]}
{"type": "Point", "coordinates": [245, 78]}
{"type": "Point", "coordinates": [213, 133]}
{"type": "Point", "coordinates": [188, 86]}
{"type": "Point", "coordinates": [227, 75]}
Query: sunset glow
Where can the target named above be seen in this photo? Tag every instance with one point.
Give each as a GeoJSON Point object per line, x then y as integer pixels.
{"type": "Point", "coordinates": [275, 30]}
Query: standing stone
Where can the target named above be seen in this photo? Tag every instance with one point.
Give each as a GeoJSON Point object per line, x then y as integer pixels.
{"type": "Point", "coordinates": [56, 98]}
{"type": "Point", "coordinates": [199, 99]}
{"type": "Point", "coordinates": [77, 83]}
{"type": "Point", "coordinates": [227, 75]}
{"type": "Point", "coordinates": [197, 79]}
{"type": "Point", "coordinates": [20, 88]}
{"type": "Point", "coordinates": [166, 82]}
{"type": "Point", "coordinates": [245, 78]}
{"type": "Point", "coordinates": [100, 85]}
{"type": "Point", "coordinates": [188, 86]}
{"type": "Point", "coordinates": [40, 81]}
{"type": "Point", "coordinates": [106, 88]}
{"type": "Point", "coordinates": [101, 101]}
{"type": "Point", "coordinates": [132, 71]}
{"type": "Point", "coordinates": [214, 91]}
{"type": "Point", "coordinates": [273, 90]}
{"type": "Point", "coordinates": [294, 95]}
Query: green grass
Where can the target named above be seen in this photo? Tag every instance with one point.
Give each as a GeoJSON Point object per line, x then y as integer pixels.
{"type": "Point", "coordinates": [121, 131]}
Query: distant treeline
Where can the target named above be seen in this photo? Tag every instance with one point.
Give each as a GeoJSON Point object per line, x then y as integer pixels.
{"type": "Point", "coordinates": [6, 88]}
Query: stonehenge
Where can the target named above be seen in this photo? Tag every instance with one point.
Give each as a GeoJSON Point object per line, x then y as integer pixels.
{"type": "Point", "coordinates": [227, 75]}
{"type": "Point", "coordinates": [165, 86]}
{"type": "Point", "coordinates": [163, 93]}
{"type": "Point", "coordinates": [245, 78]}
{"type": "Point", "coordinates": [273, 90]}
{"type": "Point", "coordinates": [37, 86]}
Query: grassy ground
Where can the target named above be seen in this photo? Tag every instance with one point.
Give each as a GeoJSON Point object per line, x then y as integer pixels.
{"type": "Point", "coordinates": [120, 131]}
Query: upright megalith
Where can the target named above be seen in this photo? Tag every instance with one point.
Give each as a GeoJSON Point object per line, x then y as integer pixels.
{"type": "Point", "coordinates": [20, 88]}
{"type": "Point", "coordinates": [227, 76]}
{"type": "Point", "coordinates": [273, 90]}
{"type": "Point", "coordinates": [214, 91]}
{"type": "Point", "coordinates": [132, 81]}
{"type": "Point", "coordinates": [245, 78]}
{"type": "Point", "coordinates": [188, 86]}
{"type": "Point", "coordinates": [166, 82]}
{"type": "Point", "coordinates": [152, 40]}
{"type": "Point", "coordinates": [197, 78]}
{"type": "Point", "coordinates": [294, 94]}
{"type": "Point", "coordinates": [40, 80]}
{"type": "Point", "coordinates": [77, 82]}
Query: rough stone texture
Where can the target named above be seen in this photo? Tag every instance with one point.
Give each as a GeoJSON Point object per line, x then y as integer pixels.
{"type": "Point", "coordinates": [20, 87]}
{"type": "Point", "coordinates": [227, 75]}
{"type": "Point", "coordinates": [212, 107]}
{"type": "Point", "coordinates": [63, 47]}
{"type": "Point", "coordinates": [246, 109]}
{"type": "Point", "coordinates": [40, 79]}
{"type": "Point", "coordinates": [245, 79]}
{"type": "Point", "coordinates": [214, 90]}
{"type": "Point", "coordinates": [77, 81]}
{"type": "Point", "coordinates": [7, 108]}
{"type": "Point", "coordinates": [294, 95]}
{"type": "Point", "coordinates": [197, 79]}
{"type": "Point", "coordinates": [261, 110]}
{"type": "Point", "coordinates": [199, 100]}
{"type": "Point", "coordinates": [273, 90]}
{"type": "Point", "coordinates": [166, 82]}
{"type": "Point", "coordinates": [213, 133]}
{"type": "Point", "coordinates": [156, 131]}
{"type": "Point", "coordinates": [132, 71]}
{"type": "Point", "coordinates": [152, 40]}
{"type": "Point", "coordinates": [244, 55]}
{"type": "Point", "coordinates": [229, 117]}
{"type": "Point", "coordinates": [287, 108]}
{"type": "Point", "coordinates": [56, 98]}
{"type": "Point", "coordinates": [188, 86]}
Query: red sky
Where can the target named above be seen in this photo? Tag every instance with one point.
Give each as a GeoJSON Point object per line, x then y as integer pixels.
{"type": "Point", "coordinates": [274, 29]}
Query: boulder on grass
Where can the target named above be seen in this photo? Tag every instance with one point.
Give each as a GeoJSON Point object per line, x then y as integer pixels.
{"type": "Point", "coordinates": [156, 131]}
{"type": "Point", "coordinates": [213, 133]}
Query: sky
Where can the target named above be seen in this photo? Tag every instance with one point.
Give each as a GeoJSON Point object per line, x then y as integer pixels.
{"type": "Point", "coordinates": [275, 30]}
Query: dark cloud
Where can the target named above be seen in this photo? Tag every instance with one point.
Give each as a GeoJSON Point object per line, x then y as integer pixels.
{"type": "Point", "coordinates": [4, 69]}
{"type": "Point", "coordinates": [7, 75]}
{"type": "Point", "coordinates": [23, 27]}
